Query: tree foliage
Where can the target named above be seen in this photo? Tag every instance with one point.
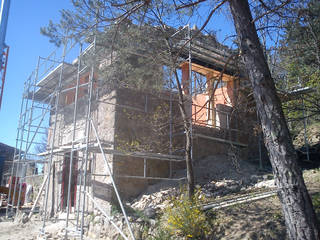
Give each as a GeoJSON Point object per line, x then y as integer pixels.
{"type": "Point", "coordinates": [300, 56]}
{"type": "Point", "coordinates": [92, 14]}
{"type": "Point", "coordinates": [131, 49]}
{"type": "Point", "coordinates": [130, 59]}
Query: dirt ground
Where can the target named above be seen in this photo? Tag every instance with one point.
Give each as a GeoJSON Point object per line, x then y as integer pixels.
{"type": "Point", "coordinates": [31, 230]}
{"type": "Point", "coordinates": [255, 220]}
{"type": "Point", "coordinates": [262, 219]}
{"type": "Point", "coordinates": [12, 230]}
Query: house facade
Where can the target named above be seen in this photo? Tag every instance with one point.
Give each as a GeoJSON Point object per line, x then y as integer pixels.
{"type": "Point", "coordinates": [139, 133]}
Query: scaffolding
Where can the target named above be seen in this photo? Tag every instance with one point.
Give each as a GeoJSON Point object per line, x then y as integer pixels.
{"type": "Point", "coordinates": [53, 83]}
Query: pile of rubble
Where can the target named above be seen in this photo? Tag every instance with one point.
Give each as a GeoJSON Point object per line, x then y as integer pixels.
{"type": "Point", "coordinates": [158, 200]}
{"type": "Point", "coordinates": [215, 176]}
{"type": "Point", "coordinates": [217, 189]}
{"type": "Point", "coordinates": [313, 135]}
{"type": "Point", "coordinates": [211, 190]}
{"type": "Point", "coordinates": [100, 228]}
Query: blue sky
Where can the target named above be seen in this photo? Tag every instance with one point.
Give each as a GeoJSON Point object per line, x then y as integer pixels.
{"type": "Point", "coordinates": [26, 44]}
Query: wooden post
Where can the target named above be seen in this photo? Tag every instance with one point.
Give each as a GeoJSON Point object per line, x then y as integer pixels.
{"type": "Point", "coordinates": [38, 197]}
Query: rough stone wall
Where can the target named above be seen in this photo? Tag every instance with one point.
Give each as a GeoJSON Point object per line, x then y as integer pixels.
{"type": "Point", "coordinates": [134, 121]}
{"type": "Point", "coordinates": [104, 120]}
{"type": "Point", "coordinates": [102, 113]}
{"type": "Point", "coordinates": [63, 137]}
{"type": "Point", "coordinates": [142, 125]}
{"type": "Point", "coordinates": [203, 147]}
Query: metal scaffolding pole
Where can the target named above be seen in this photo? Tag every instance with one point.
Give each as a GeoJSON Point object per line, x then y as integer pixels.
{"type": "Point", "coordinates": [87, 137]}
{"type": "Point", "coordinates": [106, 216]}
{"type": "Point", "coordinates": [15, 153]}
{"type": "Point", "coordinates": [79, 169]}
{"type": "Point", "coordinates": [28, 131]}
{"type": "Point", "coordinates": [305, 133]}
{"type": "Point", "coordinates": [112, 180]}
{"type": "Point", "coordinates": [58, 90]}
{"type": "Point", "coordinates": [170, 127]}
{"type": "Point", "coordinates": [21, 146]}
{"type": "Point", "coordinates": [72, 145]}
{"type": "Point", "coordinates": [56, 82]}
{"type": "Point", "coordinates": [190, 88]}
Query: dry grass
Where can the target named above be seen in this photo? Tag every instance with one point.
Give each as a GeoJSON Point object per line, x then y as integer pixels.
{"type": "Point", "coordinates": [262, 219]}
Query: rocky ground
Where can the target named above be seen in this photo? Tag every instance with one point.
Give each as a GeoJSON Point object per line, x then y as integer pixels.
{"type": "Point", "coordinates": [262, 219]}
{"type": "Point", "coordinates": [313, 135]}
{"type": "Point", "coordinates": [216, 177]}
{"type": "Point", "coordinates": [312, 149]}
{"type": "Point", "coordinates": [217, 180]}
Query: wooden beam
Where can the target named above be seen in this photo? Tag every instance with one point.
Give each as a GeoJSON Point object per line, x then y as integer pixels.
{"type": "Point", "coordinates": [208, 72]}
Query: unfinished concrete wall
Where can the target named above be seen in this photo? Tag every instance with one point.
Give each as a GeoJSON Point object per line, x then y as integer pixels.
{"type": "Point", "coordinates": [130, 121]}
{"type": "Point", "coordinates": [142, 125]}
{"type": "Point", "coordinates": [104, 120]}
{"type": "Point", "coordinates": [62, 139]}
{"type": "Point", "coordinates": [211, 141]}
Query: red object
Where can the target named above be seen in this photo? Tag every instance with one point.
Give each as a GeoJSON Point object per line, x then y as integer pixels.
{"type": "Point", "coordinates": [3, 71]}
{"type": "Point", "coordinates": [65, 181]}
{"type": "Point", "coordinates": [185, 78]}
{"type": "Point", "coordinates": [23, 193]}
{"type": "Point", "coordinates": [13, 179]}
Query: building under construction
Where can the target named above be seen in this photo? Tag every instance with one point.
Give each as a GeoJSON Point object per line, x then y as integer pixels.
{"type": "Point", "coordinates": [107, 142]}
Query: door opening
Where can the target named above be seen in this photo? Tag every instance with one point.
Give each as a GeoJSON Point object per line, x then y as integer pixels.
{"type": "Point", "coordinates": [65, 180]}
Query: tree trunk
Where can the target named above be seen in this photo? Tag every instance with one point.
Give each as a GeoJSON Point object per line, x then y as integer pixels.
{"type": "Point", "coordinates": [187, 123]}
{"type": "Point", "coordinates": [187, 128]}
{"type": "Point", "coordinates": [297, 207]}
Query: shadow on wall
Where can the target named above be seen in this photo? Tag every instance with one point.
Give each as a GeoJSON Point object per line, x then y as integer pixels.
{"type": "Point", "coordinates": [102, 190]}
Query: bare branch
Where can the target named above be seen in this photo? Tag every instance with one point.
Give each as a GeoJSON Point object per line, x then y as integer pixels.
{"type": "Point", "coordinates": [190, 4]}
{"type": "Point", "coordinates": [123, 4]}
{"type": "Point", "coordinates": [271, 10]}
{"type": "Point", "coordinates": [203, 25]}
{"type": "Point", "coordinates": [264, 5]}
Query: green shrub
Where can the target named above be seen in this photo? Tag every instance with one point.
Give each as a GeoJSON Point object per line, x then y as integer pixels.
{"type": "Point", "coordinates": [185, 218]}
{"type": "Point", "coordinates": [316, 203]}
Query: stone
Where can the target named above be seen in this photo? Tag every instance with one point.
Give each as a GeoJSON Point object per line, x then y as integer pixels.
{"type": "Point", "coordinates": [97, 219]}
{"type": "Point", "coordinates": [254, 178]}
{"type": "Point", "coordinates": [150, 212]}
{"type": "Point", "coordinates": [220, 184]}
{"type": "Point", "coordinates": [267, 184]}
{"type": "Point", "coordinates": [152, 222]}
{"type": "Point", "coordinates": [24, 218]}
